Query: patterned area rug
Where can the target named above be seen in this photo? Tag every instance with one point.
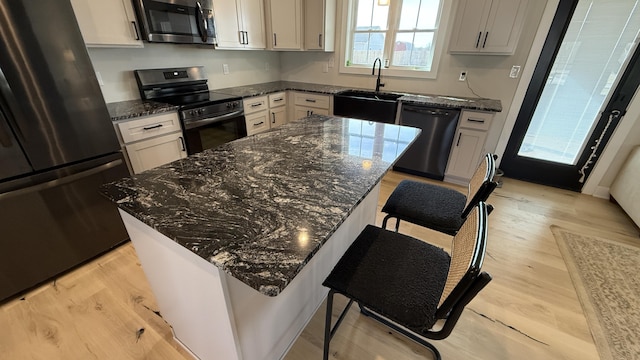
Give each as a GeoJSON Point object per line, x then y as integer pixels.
{"type": "Point", "coordinates": [605, 275]}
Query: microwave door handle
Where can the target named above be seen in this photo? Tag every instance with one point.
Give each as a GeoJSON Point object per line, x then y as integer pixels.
{"type": "Point", "coordinates": [202, 22]}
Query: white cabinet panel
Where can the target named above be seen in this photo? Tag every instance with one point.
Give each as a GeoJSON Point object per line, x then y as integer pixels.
{"type": "Point", "coordinates": [257, 122]}
{"type": "Point", "coordinates": [240, 24]}
{"type": "Point", "coordinates": [278, 116]}
{"type": "Point", "coordinates": [147, 127]}
{"type": "Point", "coordinates": [285, 19]}
{"type": "Point", "coordinates": [148, 154]}
{"type": "Point", "coordinates": [466, 153]}
{"type": "Point", "coordinates": [487, 26]}
{"type": "Point", "coordinates": [107, 23]}
{"type": "Point", "coordinates": [255, 104]}
{"type": "Point", "coordinates": [319, 24]}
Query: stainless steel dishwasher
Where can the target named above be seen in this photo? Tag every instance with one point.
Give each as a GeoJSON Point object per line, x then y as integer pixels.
{"type": "Point", "coordinates": [429, 154]}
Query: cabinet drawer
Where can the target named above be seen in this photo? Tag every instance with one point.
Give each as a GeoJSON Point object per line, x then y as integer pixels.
{"type": "Point", "coordinates": [257, 122]}
{"type": "Point", "coordinates": [255, 104]}
{"type": "Point", "coordinates": [312, 100]}
{"type": "Point", "coordinates": [148, 154]}
{"type": "Point", "coordinates": [277, 99]}
{"type": "Point", "coordinates": [147, 127]}
{"type": "Point", "coordinates": [476, 120]}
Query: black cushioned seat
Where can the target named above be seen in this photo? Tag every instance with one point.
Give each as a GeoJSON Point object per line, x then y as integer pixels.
{"type": "Point", "coordinates": [410, 293]}
{"type": "Point", "coordinates": [437, 207]}
{"type": "Point", "coordinates": [409, 285]}
{"type": "Point", "coordinates": [427, 205]}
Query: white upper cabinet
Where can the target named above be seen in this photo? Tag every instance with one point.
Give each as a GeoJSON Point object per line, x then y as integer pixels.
{"type": "Point", "coordinates": [107, 23]}
{"type": "Point", "coordinates": [319, 24]}
{"type": "Point", "coordinates": [240, 24]}
{"type": "Point", "coordinates": [487, 26]}
{"type": "Point", "coordinates": [285, 24]}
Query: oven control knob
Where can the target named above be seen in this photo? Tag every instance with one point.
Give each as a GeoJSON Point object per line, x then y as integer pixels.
{"type": "Point", "coordinates": [235, 104]}
{"type": "Point", "coordinates": [190, 112]}
{"type": "Point", "coordinates": [201, 111]}
{"type": "Point", "coordinates": [228, 105]}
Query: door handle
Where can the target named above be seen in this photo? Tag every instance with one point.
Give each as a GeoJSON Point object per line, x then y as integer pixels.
{"type": "Point", "coordinates": [273, 116]}
{"type": "Point", "coordinates": [275, 40]}
{"type": "Point", "coordinates": [320, 40]}
{"type": "Point", "coordinates": [459, 136]}
{"type": "Point", "coordinates": [135, 30]}
{"type": "Point", "coordinates": [478, 41]}
{"type": "Point", "coordinates": [241, 36]}
{"type": "Point", "coordinates": [486, 35]}
{"type": "Point", "coordinates": [246, 38]}
{"type": "Point", "coordinates": [184, 146]}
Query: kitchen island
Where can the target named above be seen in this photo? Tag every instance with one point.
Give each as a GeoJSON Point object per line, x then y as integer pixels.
{"type": "Point", "coordinates": [236, 241]}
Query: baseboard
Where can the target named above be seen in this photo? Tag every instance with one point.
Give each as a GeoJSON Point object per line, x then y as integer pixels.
{"type": "Point", "coordinates": [601, 192]}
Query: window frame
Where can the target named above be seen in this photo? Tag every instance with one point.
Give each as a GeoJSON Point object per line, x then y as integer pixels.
{"type": "Point", "coordinates": [348, 19]}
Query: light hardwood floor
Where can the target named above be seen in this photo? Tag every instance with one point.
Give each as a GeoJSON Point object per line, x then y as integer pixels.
{"type": "Point", "coordinates": [530, 309]}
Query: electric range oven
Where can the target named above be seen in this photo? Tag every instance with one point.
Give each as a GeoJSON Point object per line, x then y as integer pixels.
{"type": "Point", "coordinates": [208, 118]}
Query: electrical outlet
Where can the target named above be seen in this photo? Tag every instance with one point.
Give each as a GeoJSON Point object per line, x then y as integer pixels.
{"type": "Point", "coordinates": [331, 62]}
{"type": "Point", "coordinates": [225, 69]}
{"type": "Point", "coordinates": [463, 76]}
{"type": "Point", "coordinates": [515, 71]}
{"type": "Point", "coordinates": [325, 67]}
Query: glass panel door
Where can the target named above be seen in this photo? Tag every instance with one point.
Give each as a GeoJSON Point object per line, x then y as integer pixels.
{"type": "Point", "coordinates": [598, 40]}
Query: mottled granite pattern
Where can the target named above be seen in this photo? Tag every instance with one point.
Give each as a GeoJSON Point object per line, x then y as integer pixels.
{"type": "Point", "coordinates": [429, 100]}
{"type": "Point", "coordinates": [443, 101]}
{"type": "Point", "coordinates": [277, 86]}
{"type": "Point", "coordinates": [123, 110]}
{"type": "Point", "coordinates": [260, 207]}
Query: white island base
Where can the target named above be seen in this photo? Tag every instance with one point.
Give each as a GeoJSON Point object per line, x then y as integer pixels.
{"type": "Point", "coordinates": [216, 316]}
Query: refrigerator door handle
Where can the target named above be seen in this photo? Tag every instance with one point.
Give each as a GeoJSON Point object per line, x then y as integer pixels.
{"type": "Point", "coordinates": [61, 181]}
{"type": "Point", "coordinates": [7, 93]}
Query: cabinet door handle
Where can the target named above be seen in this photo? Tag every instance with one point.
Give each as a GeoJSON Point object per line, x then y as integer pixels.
{"type": "Point", "coordinates": [320, 40]}
{"type": "Point", "coordinates": [459, 136]}
{"type": "Point", "coordinates": [246, 38]}
{"type": "Point", "coordinates": [184, 146]}
{"type": "Point", "coordinates": [486, 35]}
{"type": "Point", "coordinates": [476, 120]}
{"type": "Point", "coordinates": [275, 40]}
{"type": "Point", "coordinates": [152, 127]}
{"type": "Point", "coordinates": [308, 112]}
{"type": "Point", "coordinates": [478, 41]}
{"type": "Point", "coordinates": [260, 123]}
{"type": "Point", "coordinates": [310, 100]}
{"type": "Point", "coordinates": [273, 115]}
{"type": "Point", "coordinates": [311, 112]}
{"type": "Point", "coordinates": [241, 37]}
{"type": "Point", "coordinates": [135, 30]}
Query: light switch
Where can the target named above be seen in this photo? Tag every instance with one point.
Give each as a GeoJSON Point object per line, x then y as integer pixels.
{"type": "Point", "coordinates": [225, 69]}
{"type": "Point", "coordinates": [515, 71]}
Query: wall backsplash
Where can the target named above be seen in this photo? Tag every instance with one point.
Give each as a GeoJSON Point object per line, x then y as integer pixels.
{"type": "Point", "coordinates": [116, 66]}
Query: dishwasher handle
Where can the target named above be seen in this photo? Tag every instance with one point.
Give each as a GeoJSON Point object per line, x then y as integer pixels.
{"type": "Point", "coordinates": [426, 110]}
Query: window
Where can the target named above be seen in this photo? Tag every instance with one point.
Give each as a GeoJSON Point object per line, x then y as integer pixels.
{"type": "Point", "coordinates": [404, 34]}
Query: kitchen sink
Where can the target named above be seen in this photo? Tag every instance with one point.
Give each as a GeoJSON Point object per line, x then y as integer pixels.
{"type": "Point", "coordinates": [366, 105]}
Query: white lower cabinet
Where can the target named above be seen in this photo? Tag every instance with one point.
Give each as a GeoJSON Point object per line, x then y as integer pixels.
{"type": "Point", "coordinates": [468, 146]}
{"type": "Point", "coordinates": [257, 122]}
{"type": "Point", "coordinates": [278, 116]}
{"type": "Point", "coordinates": [148, 154]}
{"type": "Point", "coordinates": [306, 104]}
{"type": "Point", "coordinates": [151, 141]}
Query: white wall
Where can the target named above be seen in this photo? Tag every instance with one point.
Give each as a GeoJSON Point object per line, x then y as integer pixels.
{"type": "Point", "coordinates": [488, 75]}
{"type": "Point", "coordinates": [116, 66]}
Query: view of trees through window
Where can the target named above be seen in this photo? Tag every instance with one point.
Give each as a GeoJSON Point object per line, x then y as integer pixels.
{"type": "Point", "coordinates": [412, 35]}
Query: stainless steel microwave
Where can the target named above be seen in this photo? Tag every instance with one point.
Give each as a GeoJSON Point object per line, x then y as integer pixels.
{"type": "Point", "coordinates": [177, 21]}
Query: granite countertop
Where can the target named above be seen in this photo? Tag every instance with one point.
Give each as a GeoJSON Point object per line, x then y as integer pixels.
{"type": "Point", "coordinates": [429, 100]}
{"type": "Point", "coordinates": [260, 207]}
{"type": "Point", "coordinates": [134, 108]}
{"type": "Point", "coordinates": [123, 110]}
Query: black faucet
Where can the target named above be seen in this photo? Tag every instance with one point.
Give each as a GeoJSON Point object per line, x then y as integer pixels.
{"type": "Point", "coordinates": [373, 72]}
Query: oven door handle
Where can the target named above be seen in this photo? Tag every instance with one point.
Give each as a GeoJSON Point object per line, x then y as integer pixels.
{"type": "Point", "coordinates": [213, 120]}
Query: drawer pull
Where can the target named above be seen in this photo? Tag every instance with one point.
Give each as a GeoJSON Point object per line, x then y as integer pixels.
{"type": "Point", "coordinates": [258, 124]}
{"type": "Point", "coordinates": [256, 104]}
{"type": "Point", "coordinates": [476, 120]}
{"type": "Point", "coordinates": [310, 100]}
{"type": "Point", "coordinates": [152, 127]}
{"type": "Point", "coordinates": [276, 100]}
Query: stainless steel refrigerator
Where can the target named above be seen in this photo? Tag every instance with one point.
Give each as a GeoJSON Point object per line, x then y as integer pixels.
{"type": "Point", "coordinates": [57, 146]}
